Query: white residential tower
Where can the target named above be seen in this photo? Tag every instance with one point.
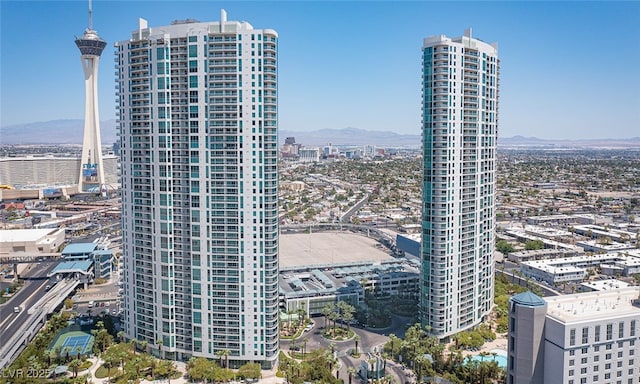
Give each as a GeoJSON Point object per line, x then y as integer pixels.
{"type": "Point", "coordinates": [198, 128]}
{"type": "Point", "coordinates": [459, 131]}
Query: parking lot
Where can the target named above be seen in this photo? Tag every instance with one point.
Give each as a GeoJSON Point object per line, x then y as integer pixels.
{"type": "Point", "coordinates": [99, 299]}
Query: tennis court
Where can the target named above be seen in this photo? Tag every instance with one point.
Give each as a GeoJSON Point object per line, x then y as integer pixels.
{"type": "Point", "coordinates": [76, 341]}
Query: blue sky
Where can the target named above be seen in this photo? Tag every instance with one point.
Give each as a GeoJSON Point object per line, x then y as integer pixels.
{"type": "Point", "coordinates": [568, 69]}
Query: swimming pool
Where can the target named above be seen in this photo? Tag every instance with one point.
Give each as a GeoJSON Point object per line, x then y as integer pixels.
{"type": "Point", "coordinates": [500, 357]}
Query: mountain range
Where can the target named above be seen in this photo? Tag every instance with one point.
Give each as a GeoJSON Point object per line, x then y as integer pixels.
{"type": "Point", "coordinates": [54, 132]}
{"type": "Point", "coordinates": [70, 132]}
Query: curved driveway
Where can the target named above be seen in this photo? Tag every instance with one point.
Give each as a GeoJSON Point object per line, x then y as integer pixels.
{"type": "Point", "coordinates": [371, 341]}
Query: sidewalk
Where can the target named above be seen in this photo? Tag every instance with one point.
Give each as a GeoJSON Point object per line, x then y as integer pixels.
{"type": "Point", "coordinates": [268, 377]}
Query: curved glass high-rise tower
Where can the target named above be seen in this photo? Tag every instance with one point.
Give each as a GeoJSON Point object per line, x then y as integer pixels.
{"type": "Point", "coordinates": [198, 128]}
{"type": "Point", "coordinates": [91, 169]}
{"type": "Point", "coordinates": [459, 132]}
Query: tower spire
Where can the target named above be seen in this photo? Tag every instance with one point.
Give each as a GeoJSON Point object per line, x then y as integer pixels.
{"type": "Point", "coordinates": [90, 17]}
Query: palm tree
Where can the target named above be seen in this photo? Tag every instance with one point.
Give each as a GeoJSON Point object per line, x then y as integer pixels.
{"type": "Point", "coordinates": [334, 316]}
{"type": "Point", "coordinates": [51, 356]}
{"type": "Point", "coordinates": [302, 314]}
{"type": "Point", "coordinates": [143, 345]}
{"type": "Point", "coordinates": [346, 313]}
{"type": "Point", "coordinates": [78, 352]}
{"type": "Point", "coordinates": [66, 352]}
{"type": "Point", "coordinates": [289, 314]}
{"type": "Point", "coordinates": [356, 339]}
{"type": "Point", "coordinates": [419, 367]}
{"type": "Point", "coordinates": [159, 342]}
{"type": "Point", "coordinates": [371, 362]}
{"type": "Point", "coordinates": [58, 353]}
{"type": "Point", "coordinates": [74, 364]}
{"type": "Point", "coordinates": [121, 336]}
{"type": "Point", "coordinates": [219, 354]}
{"type": "Point", "coordinates": [304, 346]}
{"type": "Point", "coordinates": [326, 311]}
{"type": "Point", "coordinates": [226, 354]}
{"type": "Point", "coordinates": [108, 363]}
{"type": "Point", "coordinates": [392, 339]}
{"type": "Point", "coordinates": [351, 371]}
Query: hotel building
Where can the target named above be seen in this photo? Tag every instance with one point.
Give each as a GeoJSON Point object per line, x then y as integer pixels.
{"type": "Point", "coordinates": [459, 132]}
{"type": "Point", "coordinates": [197, 105]}
{"type": "Point", "coordinates": [582, 338]}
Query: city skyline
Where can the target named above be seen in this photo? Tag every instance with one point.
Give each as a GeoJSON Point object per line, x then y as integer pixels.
{"type": "Point", "coordinates": [335, 75]}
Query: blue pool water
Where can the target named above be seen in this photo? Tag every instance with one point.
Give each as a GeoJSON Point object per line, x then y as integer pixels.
{"type": "Point", "coordinates": [501, 360]}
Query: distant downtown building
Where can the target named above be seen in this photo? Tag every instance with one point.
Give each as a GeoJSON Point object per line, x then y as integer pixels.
{"type": "Point", "coordinates": [459, 130]}
{"type": "Point", "coordinates": [198, 127]}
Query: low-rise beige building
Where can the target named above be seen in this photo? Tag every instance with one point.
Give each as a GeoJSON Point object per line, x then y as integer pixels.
{"type": "Point", "coordinates": [30, 241]}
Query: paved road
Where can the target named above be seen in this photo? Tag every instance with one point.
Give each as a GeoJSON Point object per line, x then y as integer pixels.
{"type": "Point", "coordinates": [370, 341]}
{"type": "Point", "coordinates": [35, 281]}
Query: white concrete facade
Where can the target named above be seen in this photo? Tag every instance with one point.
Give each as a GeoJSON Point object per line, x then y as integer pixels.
{"type": "Point", "coordinates": [198, 125]}
{"type": "Point", "coordinates": [589, 337]}
{"type": "Point", "coordinates": [91, 177]}
{"type": "Point", "coordinates": [460, 125]}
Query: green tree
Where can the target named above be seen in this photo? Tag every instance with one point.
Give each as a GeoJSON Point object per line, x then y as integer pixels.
{"type": "Point", "coordinates": [346, 312]}
{"type": "Point", "coordinates": [166, 368]}
{"type": "Point", "coordinates": [74, 364]}
{"type": "Point", "coordinates": [159, 343]}
{"type": "Point", "coordinates": [68, 303]}
{"type": "Point", "coordinates": [327, 310]}
{"type": "Point", "coordinates": [200, 369]}
{"type": "Point", "coordinates": [351, 372]}
{"type": "Point", "coordinates": [143, 345]}
{"type": "Point", "coordinates": [109, 362]}
{"type": "Point", "coordinates": [534, 245]}
{"type": "Point", "coordinates": [504, 247]}
{"type": "Point", "coordinates": [249, 371]}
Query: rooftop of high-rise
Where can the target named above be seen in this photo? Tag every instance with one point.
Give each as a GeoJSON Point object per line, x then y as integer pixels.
{"type": "Point", "coordinates": [599, 305]}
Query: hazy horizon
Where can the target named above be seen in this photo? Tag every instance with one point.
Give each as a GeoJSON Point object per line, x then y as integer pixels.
{"type": "Point", "coordinates": [356, 63]}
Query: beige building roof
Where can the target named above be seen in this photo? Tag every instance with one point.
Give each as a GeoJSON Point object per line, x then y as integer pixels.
{"type": "Point", "coordinates": [582, 307]}
{"type": "Point", "coordinates": [325, 248]}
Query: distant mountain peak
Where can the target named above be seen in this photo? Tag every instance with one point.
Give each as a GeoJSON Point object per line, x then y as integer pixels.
{"type": "Point", "coordinates": [61, 131]}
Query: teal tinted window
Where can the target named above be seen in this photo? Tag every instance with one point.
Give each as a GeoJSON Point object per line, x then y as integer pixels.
{"type": "Point", "coordinates": [193, 39]}
{"type": "Point", "coordinates": [193, 66]}
{"type": "Point", "coordinates": [160, 53]}
{"type": "Point", "coordinates": [193, 81]}
{"type": "Point", "coordinates": [193, 51]}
